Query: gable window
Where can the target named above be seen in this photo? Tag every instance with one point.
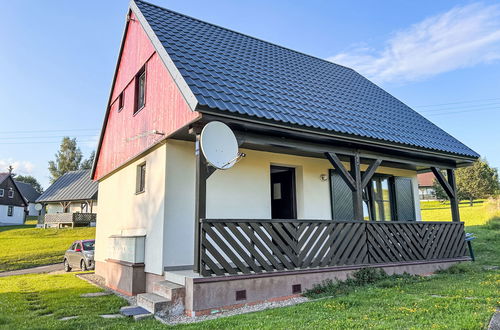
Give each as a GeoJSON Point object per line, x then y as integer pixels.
{"type": "Point", "coordinates": [2, 192]}
{"type": "Point", "coordinates": [10, 210]}
{"type": "Point", "coordinates": [140, 89]}
{"type": "Point", "coordinates": [11, 193]}
{"type": "Point", "coordinates": [140, 186]}
{"type": "Point", "coordinates": [120, 101]}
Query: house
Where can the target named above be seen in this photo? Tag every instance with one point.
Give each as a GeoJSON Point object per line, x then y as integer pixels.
{"type": "Point", "coordinates": [12, 203]}
{"type": "Point", "coordinates": [70, 200]}
{"type": "Point", "coordinates": [328, 184]}
{"type": "Point", "coordinates": [30, 196]}
{"type": "Point", "coordinates": [426, 189]}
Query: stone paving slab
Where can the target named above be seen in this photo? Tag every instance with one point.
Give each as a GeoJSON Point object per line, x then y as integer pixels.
{"type": "Point", "coordinates": [495, 321]}
{"type": "Point", "coordinates": [67, 318]}
{"type": "Point", "coordinates": [111, 316]}
{"type": "Point", "coordinates": [133, 310]}
{"type": "Point", "coordinates": [96, 294]}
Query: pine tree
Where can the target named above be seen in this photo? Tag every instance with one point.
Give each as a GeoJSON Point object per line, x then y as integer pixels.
{"type": "Point", "coordinates": [68, 158]}
{"type": "Point", "coordinates": [87, 163]}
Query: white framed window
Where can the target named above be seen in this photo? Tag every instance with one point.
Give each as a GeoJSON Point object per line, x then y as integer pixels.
{"type": "Point", "coordinates": [2, 192]}
{"type": "Point", "coordinates": [140, 90]}
{"type": "Point", "coordinates": [11, 193]}
{"type": "Point", "coordinates": [10, 210]}
{"type": "Point", "coordinates": [140, 184]}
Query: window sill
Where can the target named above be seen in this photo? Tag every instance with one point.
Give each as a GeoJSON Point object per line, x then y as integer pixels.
{"type": "Point", "coordinates": [139, 110]}
{"type": "Point", "coordinates": [140, 192]}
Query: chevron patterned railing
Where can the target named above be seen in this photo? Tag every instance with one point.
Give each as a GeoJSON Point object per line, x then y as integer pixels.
{"type": "Point", "coordinates": [244, 246]}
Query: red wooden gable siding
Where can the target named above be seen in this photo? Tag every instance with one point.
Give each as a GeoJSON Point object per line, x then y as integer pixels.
{"type": "Point", "coordinates": [126, 135]}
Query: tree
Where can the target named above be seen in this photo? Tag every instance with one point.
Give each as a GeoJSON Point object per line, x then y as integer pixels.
{"type": "Point", "coordinates": [477, 181]}
{"type": "Point", "coordinates": [439, 191]}
{"type": "Point", "coordinates": [87, 163]}
{"type": "Point", "coordinates": [30, 180]}
{"type": "Point", "coordinates": [68, 158]}
{"type": "Point", "coordinates": [473, 182]}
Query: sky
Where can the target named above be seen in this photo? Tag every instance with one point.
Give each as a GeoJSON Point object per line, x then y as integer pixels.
{"type": "Point", "coordinates": [57, 59]}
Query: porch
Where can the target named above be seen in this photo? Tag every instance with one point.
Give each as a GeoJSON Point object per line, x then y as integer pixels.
{"type": "Point", "coordinates": [374, 220]}
{"type": "Point", "coordinates": [232, 247]}
{"type": "Point", "coordinates": [71, 219]}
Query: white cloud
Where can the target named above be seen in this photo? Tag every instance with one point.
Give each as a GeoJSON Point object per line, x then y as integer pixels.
{"type": "Point", "coordinates": [461, 37]}
{"type": "Point", "coordinates": [23, 167]}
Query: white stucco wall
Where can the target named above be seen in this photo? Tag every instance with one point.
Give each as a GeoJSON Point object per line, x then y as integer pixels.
{"type": "Point", "coordinates": [17, 215]}
{"type": "Point", "coordinates": [241, 192]}
{"type": "Point", "coordinates": [31, 210]}
{"type": "Point", "coordinates": [123, 212]}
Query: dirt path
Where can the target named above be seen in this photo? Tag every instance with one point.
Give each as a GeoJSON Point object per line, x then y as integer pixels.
{"type": "Point", "coordinates": [34, 270]}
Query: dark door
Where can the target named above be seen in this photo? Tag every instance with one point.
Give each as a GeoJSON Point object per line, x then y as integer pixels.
{"type": "Point", "coordinates": [283, 193]}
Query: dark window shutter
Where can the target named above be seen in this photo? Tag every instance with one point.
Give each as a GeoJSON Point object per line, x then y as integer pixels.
{"type": "Point", "coordinates": [341, 196]}
{"type": "Point", "coordinates": [405, 202]}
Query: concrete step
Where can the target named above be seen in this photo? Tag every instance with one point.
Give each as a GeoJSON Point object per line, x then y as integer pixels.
{"type": "Point", "coordinates": [179, 276]}
{"type": "Point", "coordinates": [171, 291]}
{"type": "Point", "coordinates": [152, 302]}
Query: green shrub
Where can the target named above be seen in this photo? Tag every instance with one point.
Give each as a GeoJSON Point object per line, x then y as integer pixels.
{"type": "Point", "coordinates": [369, 275]}
{"type": "Point", "coordinates": [361, 278]}
{"type": "Point", "coordinates": [461, 268]}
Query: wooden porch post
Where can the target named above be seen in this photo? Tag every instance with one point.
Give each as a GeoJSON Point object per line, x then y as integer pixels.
{"type": "Point", "coordinates": [354, 180]}
{"type": "Point", "coordinates": [357, 193]}
{"type": "Point", "coordinates": [41, 215]}
{"type": "Point", "coordinates": [455, 213]}
{"type": "Point", "coordinates": [450, 187]}
{"type": "Point", "coordinates": [200, 202]}
{"type": "Point", "coordinates": [203, 171]}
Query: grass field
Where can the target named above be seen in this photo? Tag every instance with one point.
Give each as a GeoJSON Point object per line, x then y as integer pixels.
{"type": "Point", "coordinates": [478, 214]}
{"type": "Point", "coordinates": [26, 246]}
{"type": "Point", "coordinates": [463, 298]}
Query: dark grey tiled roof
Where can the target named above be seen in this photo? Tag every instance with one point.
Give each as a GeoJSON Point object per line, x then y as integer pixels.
{"type": "Point", "coordinates": [232, 72]}
{"type": "Point", "coordinates": [3, 176]}
{"type": "Point", "coordinates": [72, 186]}
{"type": "Point", "coordinates": [29, 193]}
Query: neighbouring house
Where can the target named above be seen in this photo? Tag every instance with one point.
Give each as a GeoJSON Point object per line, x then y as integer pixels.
{"type": "Point", "coordinates": [328, 184]}
{"type": "Point", "coordinates": [30, 195]}
{"type": "Point", "coordinates": [12, 203]}
{"type": "Point", "coordinates": [70, 200]}
{"type": "Point", "coordinates": [426, 189]}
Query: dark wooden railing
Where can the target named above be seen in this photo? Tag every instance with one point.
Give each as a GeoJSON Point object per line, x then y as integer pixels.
{"type": "Point", "coordinates": [254, 246]}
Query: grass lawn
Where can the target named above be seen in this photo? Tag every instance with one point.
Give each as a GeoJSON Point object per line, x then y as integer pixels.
{"type": "Point", "coordinates": [39, 301]}
{"type": "Point", "coordinates": [464, 298]}
{"type": "Point", "coordinates": [26, 246]}
{"type": "Point", "coordinates": [478, 214]}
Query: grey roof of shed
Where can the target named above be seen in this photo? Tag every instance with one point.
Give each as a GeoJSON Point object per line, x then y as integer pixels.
{"type": "Point", "coordinates": [72, 186]}
{"type": "Point", "coordinates": [229, 72]}
{"type": "Point", "coordinates": [29, 193]}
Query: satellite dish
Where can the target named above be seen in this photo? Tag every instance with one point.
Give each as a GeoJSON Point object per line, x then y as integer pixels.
{"type": "Point", "coordinates": [219, 145]}
{"type": "Point", "coordinates": [38, 206]}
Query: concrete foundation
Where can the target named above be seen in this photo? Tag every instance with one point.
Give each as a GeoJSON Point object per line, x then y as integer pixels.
{"type": "Point", "coordinates": [208, 295]}
{"type": "Point", "coordinates": [125, 277]}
